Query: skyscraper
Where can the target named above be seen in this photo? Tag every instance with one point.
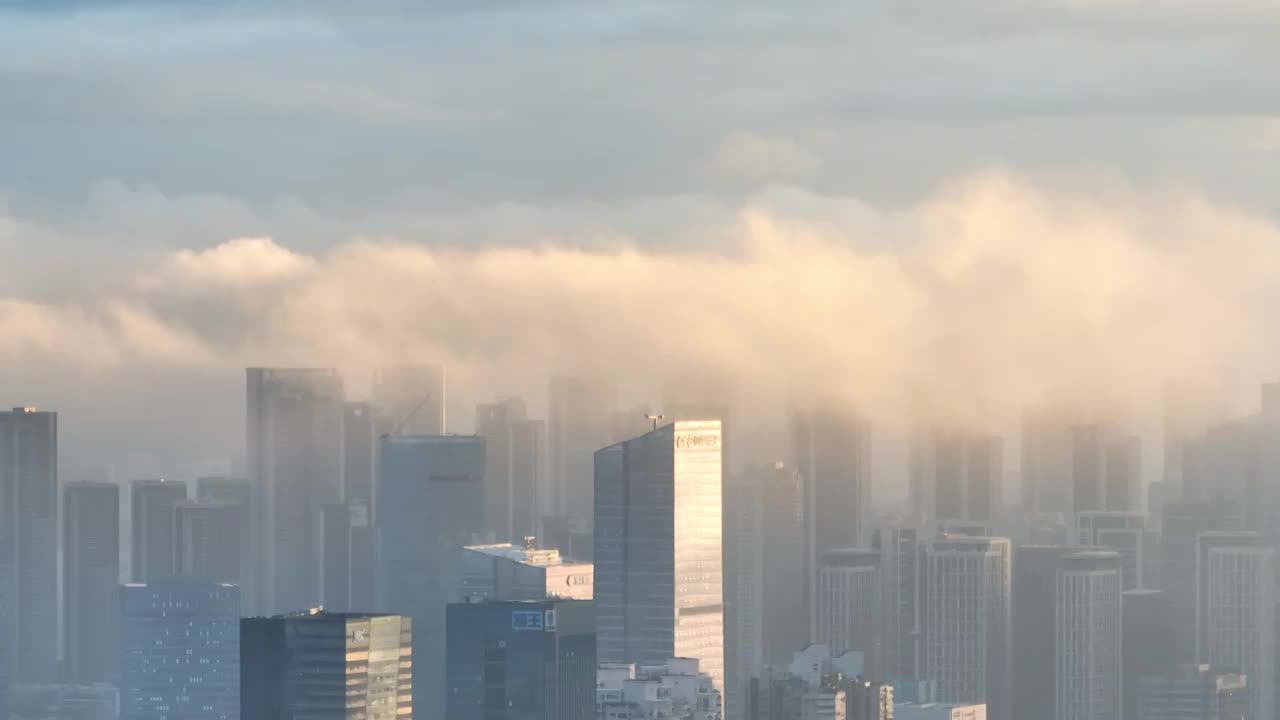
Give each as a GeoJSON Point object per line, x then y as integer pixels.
{"type": "Point", "coordinates": [849, 597]}
{"type": "Point", "coordinates": [294, 441]}
{"type": "Point", "coordinates": [957, 476]}
{"type": "Point", "coordinates": [319, 664]}
{"type": "Point", "coordinates": [1236, 610]}
{"type": "Point", "coordinates": [1046, 462]}
{"type": "Point", "coordinates": [180, 650]}
{"type": "Point", "coordinates": [899, 545]}
{"type": "Point", "coordinates": [1182, 524]}
{"type": "Point", "coordinates": [348, 565]}
{"type": "Point", "coordinates": [1124, 532]}
{"type": "Point", "coordinates": [535, 659]}
{"type": "Point", "coordinates": [240, 493]}
{"type": "Point", "coordinates": [359, 452]}
{"type": "Point", "coordinates": [832, 449]}
{"type": "Point", "coordinates": [1035, 589]}
{"type": "Point", "coordinates": [658, 548]}
{"type": "Point", "coordinates": [966, 647]}
{"type": "Point", "coordinates": [430, 501]}
{"type": "Point", "coordinates": [152, 521]}
{"type": "Point", "coordinates": [29, 522]}
{"type": "Point", "coordinates": [411, 399]}
{"type": "Point", "coordinates": [91, 581]}
{"type": "Point", "coordinates": [1087, 626]}
{"type": "Point", "coordinates": [580, 411]}
{"type": "Point", "coordinates": [1147, 642]}
{"type": "Point", "coordinates": [514, 454]}
{"type": "Point", "coordinates": [208, 538]}
{"type": "Point", "coordinates": [1106, 470]}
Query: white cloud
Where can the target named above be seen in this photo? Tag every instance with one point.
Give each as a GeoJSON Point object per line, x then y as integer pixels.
{"type": "Point", "coordinates": [755, 158]}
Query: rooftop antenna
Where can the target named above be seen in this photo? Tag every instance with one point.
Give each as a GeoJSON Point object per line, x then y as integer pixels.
{"type": "Point", "coordinates": [653, 418]}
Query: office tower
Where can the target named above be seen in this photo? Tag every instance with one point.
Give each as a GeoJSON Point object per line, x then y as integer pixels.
{"type": "Point", "coordinates": [29, 519]}
{"type": "Point", "coordinates": [658, 551]}
{"type": "Point", "coordinates": [359, 451]}
{"type": "Point", "coordinates": [208, 536]}
{"type": "Point", "coordinates": [868, 700]}
{"type": "Point", "coordinates": [1159, 494]}
{"type": "Point", "coordinates": [1126, 533]}
{"type": "Point", "coordinates": [1268, 459]}
{"type": "Point", "coordinates": [832, 449]}
{"type": "Point", "coordinates": [514, 455]}
{"type": "Point", "coordinates": [1224, 461]}
{"type": "Point", "coordinates": [348, 568]}
{"type": "Point", "coordinates": [535, 659]}
{"type": "Point", "coordinates": [899, 545]}
{"type": "Point", "coordinates": [294, 441]}
{"type": "Point", "coordinates": [956, 476]}
{"type": "Point", "coordinates": [239, 492]}
{"type": "Point", "coordinates": [91, 581]}
{"type": "Point", "coordinates": [411, 400]}
{"type": "Point", "coordinates": [940, 711]}
{"type": "Point", "coordinates": [967, 619]}
{"type": "Point", "coordinates": [849, 597]}
{"type": "Point", "coordinates": [1046, 462]}
{"type": "Point", "coordinates": [1087, 650]}
{"type": "Point", "coordinates": [430, 502]}
{"type": "Point", "coordinates": [1236, 610]}
{"type": "Point", "coordinates": [1035, 588]}
{"type": "Point", "coordinates": [1193, 692]}
{"type": "Point", "coordinates": [180, 650]}
{"type": "Point", "coordinates": [319, 664]}
{"type": "Point", "coordinates": [1182, 524]}
{"type": "Point", "coordinates": [152, 521]}
{"type": "Point", "coordinates": [784, 624]}
{"type": "Point", "coordinates": [511, 572]}
{"type": "Point", "coordinates": [578, 424]}
{"type": "Point", "coordinates": [1147, 643]}
{"type": "Point", "coordinates": [1106, 470]}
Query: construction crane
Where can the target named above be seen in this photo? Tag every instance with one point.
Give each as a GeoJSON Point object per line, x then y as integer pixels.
{"type": "Point", "coordinates": [398, 425]}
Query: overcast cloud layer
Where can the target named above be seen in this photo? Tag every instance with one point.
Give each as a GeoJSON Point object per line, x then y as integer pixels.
{"type": "Point", "coordinates": [983, 204]}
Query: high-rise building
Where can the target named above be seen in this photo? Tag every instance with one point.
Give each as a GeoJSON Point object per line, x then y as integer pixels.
{"type": "Point", "coordinates": [360, 431]}
{"type": "Point", "coordinates": [849, 596]}
{"type": "Point", "coordinates": [1146, 642]}
{"type": "Point", "coordinates": [1224, 462]}
{"type": "Point", "coordinates": [967, 620]}
{"type": "Point", "coordinates": [1035, 589]}
{"type": "Point", "coordinates": [430, 502]}
{"type": "Point", "coordinates": [239, 492]}
{"type": "Point", "coordinates": [514, 478]}
{"type": "Point", "coordinates": [91, 581]}
{"type": "Point", "coordinates": [899, 545]}
{"type": "Point", "coordinates": [29, 523]}
{"type": "Point", "coordinates": [676, 688]}
{"type": "Point", "coordinates": [1126, 533]}
{"type": "Point", "coordinates": [957, 476]}
{"type": "Point", "coordinates": [349, 561]}
{"type": "Point", "coordinates": [180, 650]}
{"type": "Point", "coordinates": [153, 505]}
{"type": "Point", "coordinates": [1180, 527]}
{"type": "Point", "coordinates": [659, 587]}
{"type": "Point", "coordinates": [411, 400]}
{"type": "Point", "coordinates": [578, 424]}
{"type": "Point", "coordinates": [1046, 463]}
{"type": "Point", "coordinates": [832, 449]}
{"type": "Point", "coordinates": [868, 700]}
{"type": "Point", "coordinates": [208, 536]}
{"type": "Point", "coordinates": [1193, 692]}
{"type": "Point", "coordinates": [319, 664]}
{"type": "Point", "coordinates": [511, 572]}
{"type": "Point", "coordinates": [536, 658]}
{"type": "Point", "coordinates": [1236, 610]}
{"type": "Point", "coordinates": [1087, 650]}
{"type": "Point", "coordinates": [294, 440]}
{"type": "Point", "coordinates": [1106, 471]}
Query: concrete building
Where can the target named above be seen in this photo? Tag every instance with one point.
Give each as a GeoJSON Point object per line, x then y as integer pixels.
{"type": "Point", "coordinates": [1087, 628]}
{"type": "Point", "coordinates": [1106, 470]}
{"type": "Point", "coordinates": [533, 659]}
{"type": "Point", "coordinates": [180, 650]}
{"type": "Point", "coordinates": [850, 592]}
{"type": "Point", "coordinates": [510, 572]}
{"type": "Point", "coordinates": [348, 559]}
{"type": "Point", "coordinates": [239, 492]}
{"type": "Point", "coordinates": [91, 581]}
{"type": "Point", "coordinates": [578, 423]}
{"type": "Point", "coordinates": [967, 621]}
{"type": "Point", "coordinates": [294, 442]}
{"type": "Point", "coordinates": [956, 476]}
{"type": "Point", "coordinates": [153, 531]}
{"type": "Point", "coordinates": [1126, 533]}
{"type": "Point", "coordinates": [319, 664]}
{"type": "Point", "coordinates": [208, 536]}
{"type": "Point", "coordinates": [659, 587]}
{"type": "Point", "coordinates": [1035, 588]}
{"type": "Point", "coordinates": [676, 688]}
{"type": "Point", "coordinates": [1236, 611]}
{"type": "Point", "coordinates": [29, 527]}
{"type": "Point", "coordinates": [939, 711]}
{"type": "Point", "coordinates": [1193, 692]}
{"type": "Point", "coordinates": [1147, 642]}
{"type": "Point", "coordinates": [430, 502]}
{"type": "Point", "coordinates": [900, 553]}
{"type": "Point", "coordinates": [832, 452]}
{"type": "Point", "coordinates": [514, 478]}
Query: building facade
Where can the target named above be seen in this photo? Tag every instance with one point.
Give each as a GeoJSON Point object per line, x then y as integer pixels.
{"type": "Point", "coordinates": [849, 596]}
{"type": "Point", "coordinates": [1193, 692]}
{"type": "Point", "coordinates": [91, 581]}
{"type": "Point", "coordinates": [1236, 610]}
{"type": "Point", "coordinates": [1087, 630]}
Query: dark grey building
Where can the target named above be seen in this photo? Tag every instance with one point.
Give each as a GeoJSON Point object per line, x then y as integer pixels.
{"type": "Point", "coordinates": [1181, 525]}
{"type": "Point", "coordinates": [514, 456]}
{"type": "Point", "coordinates": [349, 562]}
{"type": "Point", "coordinates": [209, 538]}
{"type": "Point", "coordinates": [1035, 573]}
{"type": "Point", "coordinates": [153, 529]}
{"type": "Point", "coordinates": [1147, 642]}
{"type": "Point", "coordinates": [29, 523]}
{"type": "Point", "coordinates": [957, 476]}
{"type": "Point", "coordinates": [359, 451]}
{"type": "Point", "coordinates": [320, 664]}
{"type": "Point", "coordinates": [899, 545]}
{"type": "Point", "coordinates": [294, 441]}
{"type": "Point", "coordinates": [530, 660]}
{"type": "Point", "coordinates": [180, 650]}
{"type": "Point", "coordinates": [91, 581]}
{"type": "Point", "coordinates": [430, 502]}
{"type": "Point", "coordinates": [1106, 469]}
{"type": "Point", "coordinates": [239, 492]}
{"type": "Point", "coordinates": [1193, 692]}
